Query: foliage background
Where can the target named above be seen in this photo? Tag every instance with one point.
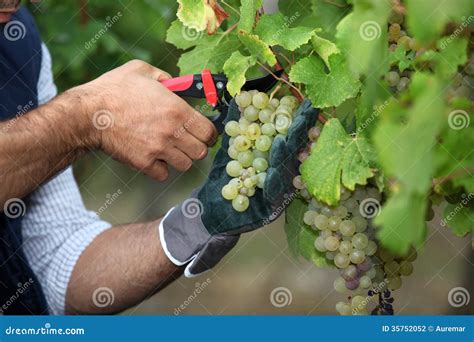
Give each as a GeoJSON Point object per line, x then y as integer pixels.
{"type": "Point", "coordinates": [242, 283]}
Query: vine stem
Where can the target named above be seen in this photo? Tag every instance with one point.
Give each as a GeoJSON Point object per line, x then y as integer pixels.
{"type": "Point", "coordinates": [232, 8]}
{"type": "Point", "coordinates": [461, 172]}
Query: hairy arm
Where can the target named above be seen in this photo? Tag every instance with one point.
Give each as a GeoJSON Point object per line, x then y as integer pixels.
{"type": "Point", "coordinates": [120, 268]}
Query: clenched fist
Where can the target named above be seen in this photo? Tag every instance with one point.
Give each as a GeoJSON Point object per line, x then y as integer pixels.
{"type": "Point", "coordinates": [138, 121]}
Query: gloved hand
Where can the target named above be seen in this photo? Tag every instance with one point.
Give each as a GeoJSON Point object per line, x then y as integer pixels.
{"type": "Point", "coordinates": [204, 228]}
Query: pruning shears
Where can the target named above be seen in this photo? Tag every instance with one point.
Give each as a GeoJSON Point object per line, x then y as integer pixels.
{"type": "Point", "coordinates": [213, 88]}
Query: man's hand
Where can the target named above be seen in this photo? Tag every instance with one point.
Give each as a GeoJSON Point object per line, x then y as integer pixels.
{"type": "Point", "coordinates": [140, 122]}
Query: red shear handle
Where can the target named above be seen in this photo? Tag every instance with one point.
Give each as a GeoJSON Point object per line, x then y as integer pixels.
{"type": "Point", "coordinates": [209, 87]}
{"type": "Point", "coordinates": [179, 83]}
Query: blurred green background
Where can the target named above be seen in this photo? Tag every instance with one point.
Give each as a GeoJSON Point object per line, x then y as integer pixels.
{"type": "Point", "coordinates": [242, 283]}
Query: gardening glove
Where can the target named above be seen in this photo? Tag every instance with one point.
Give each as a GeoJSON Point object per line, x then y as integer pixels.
{"type": "Point", "coordinates": [204, 228]}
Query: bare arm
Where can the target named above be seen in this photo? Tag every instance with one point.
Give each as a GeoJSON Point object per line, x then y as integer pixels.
{"type": "Point", "coordinates": [127, 260]}
{"type": "Point", "coordinates": [126, 112]}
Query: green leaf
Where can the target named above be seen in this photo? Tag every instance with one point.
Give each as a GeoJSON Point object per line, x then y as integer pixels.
{"type": "Point", "coordinates": [192, 13]}
{"type": "Point", "coordinates": [402, 221]}
{"type": "Point", "coordinates": [362, 36]}
{"type": "Point", "coordinates": [301, 237]}
{"type": "Point", "coordinates": [181, 36]}
{"type": "Point", "coordinates": [459, 217]}
{"type": "Point", "coordinates": [235, 68]}
{"type": "Point", "coordinates": [324, 48]}
{"type": "Point", "coordinates": [453, 53]}
{"type": "Point", "coordinates": [337, 157]}
{"type": "Point", "coordinates": [248, 10]}
{"type": "Point", "coordinates": [274, 30]}
{"type": "Point", "coordinates": [426, 19]}
{"type": "Point", "coordinates": [257, 48]}
{"type": "Point", "coordinates": [211, 53]}
{"type": "Point", "coordinates": [401, 58]}
{"type": "Point", "coordinates": [311, 72]}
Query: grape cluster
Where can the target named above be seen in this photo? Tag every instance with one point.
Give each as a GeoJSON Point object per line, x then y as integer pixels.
{"type": "Point", "coordinates": [251, 139]}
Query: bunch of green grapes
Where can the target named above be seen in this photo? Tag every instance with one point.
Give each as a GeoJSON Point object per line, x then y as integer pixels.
{"type": "Point", "coordinates": [262, 119]}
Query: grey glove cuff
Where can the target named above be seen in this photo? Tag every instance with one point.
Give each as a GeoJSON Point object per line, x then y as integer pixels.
{"type": "Point", "coordinates": [185, 239]}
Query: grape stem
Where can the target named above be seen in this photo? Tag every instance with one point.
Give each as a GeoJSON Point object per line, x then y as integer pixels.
{"type": "Point", "coordinates": [232, 8]}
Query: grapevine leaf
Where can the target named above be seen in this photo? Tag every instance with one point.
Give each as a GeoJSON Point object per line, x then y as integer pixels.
{"type": "Point", "coordinates": [211, 53]}
{"type": "Point", "coordinates": [402, 221]}
{"type": "Point", "coordinates": [235, 68]}
{"type": "Point", "coordinates": [459, 217]}
{"type": "Point", "coordinates": [311, 72]}
{"type": "Point", "coordinates": [257, 48]}
{"type": "Point", "coordinates": [327, 14]}
{"type": "Point", "coordinates": [274, 30]}
{"type": "Point", "coordinates": [337, 157]}
{"type": "Point", "coordinates": [324, 48]}
{"type": "Point", "coordinates": [362, 36]}
{"type": "Point", "coordinates": [401, 58]}
{"type": "Point", "coordinates": [300, 236]}
{"type": "Point", "coordinates": [180, 36]}
{"type": "Point", "coordinates": [201, 14]}
{"type": "Point", "coordinates": [453, 52]}
{"type": "Point", "coordinates": [426, 18]}
{"type": "Point", "coordinates": [247, 14]}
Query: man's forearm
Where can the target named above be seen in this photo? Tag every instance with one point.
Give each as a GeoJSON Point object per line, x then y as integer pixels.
{"type": "Point", "coordinates": [37, 145]}
{"type": "Point", "coordinates": [128, 262]}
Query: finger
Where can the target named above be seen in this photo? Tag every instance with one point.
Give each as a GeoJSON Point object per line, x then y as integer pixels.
{"type": "Point", "coordinates": [201, 128]}
{"type": "Point", "coordinates": [190, 145]}
{"type": "Point", "coordinates": [157, 170]}
{"type": "Point", "coordinates": [151, 71]}
{"type": "Point", "coordinates": [178, 159]}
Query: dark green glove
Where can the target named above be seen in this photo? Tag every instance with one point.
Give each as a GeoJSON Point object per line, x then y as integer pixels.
{"type": "Point", "coordinates": [205, 227]}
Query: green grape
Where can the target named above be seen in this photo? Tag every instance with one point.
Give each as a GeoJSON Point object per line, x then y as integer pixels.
{"type": "Point", "coordinates": [358, 302]}
{"type": "Point", "coordinates": [395, 18]}
{"type": "Point", "coordinates": [274, 102]}
{"type": "Point", "coordinates": [325, 210]}
{"type": "Point", "coordinates": [394, 283]}
{"type": "Point", "coordinates": [260, 154]}
{"type": "Point", "coordinates": [391, 268]}
{"type": "Point", "coordinates": [251, 171]}
{"type": "Point", "coordinates": [406, 268]}
{"type": "Point", "coordinates": [321, 222]}
{"type": "Point", "coordinates": [405, 42]}
{"type": "Point", "coordinates": [360, 224]}
{"type": "Point", "coordinates": [240, 203]}
{"type": "Point", "coordinates": [260, 100]}
{"type": "Point", "coordinates": [229, 191]}
{"type": "Point", "coordinates": [282, 123]}
{"type": "Point", "coordinates": [232, 152]}
{"type": "Point", "coordinates": [371, 248]}
{"type": "Point", "coordinates": [244, 191]}
{"type": "Point", "coordinates": [341, 260]}
{"type": "Point", "coordinates": [319, 244]}
{"type": "Point", "coordinates": [232, 128]}
{"type": "Point", "coordinates": [243, 127]}
{"type": "Point", "coordinates": [237, 182]}
{"type": "Point", "coordinates": [331, 243]}
{"type": "Point", "coordinates": [245, 158]}
{"type": "Point", "coordinates": [263, 143]}
{"type": "Point", "coordinates": [233, 168]}
{"type": "Point", "coordinates": [392, 78]}
{"type": "Point", "coordinates": [253, 92]}
{"type": "Point", "coordinates": [365, 282]}
{"type": "Point", "coordinates": [347, 228]}
{"type": "Point", "coordinates": [289, 101]}
{"type": "Point", "coordinates": [298, 184]}
{"type": "Point", "coordinates": [360, 194]}
{"type": "Point", "coordinates": [268, 129]}
{"type": "Point", "coordinates": [242, 143]}
{"type": "Point", "coordinates": [412, 255]}
{"type": "Point", "coordinates": [251, 113]}
{"type": "Point", "coordinates": [266, 115]}
{"type": "Point", "coordinates": [284, 110]}
{"type": "Point", "coordinates": [250, 192]}
{"type": "Point", "coordinates": [243, 99]}
{"type": "Point", "coordinates": [260, 164]}
{"type": "Point", "coordinates": [340, 285]}
{"type": "Point", "coordinates": [334, 222]}
{"type": "Point", "coordinates": [359, 241]}
{"type": "Point", "coordinates": [231, 141]}
{"type": "Point", "coordinates": [403, 83]}
{"type": "Point", "coordinates": [330, 255]}
{"type": "Point", "coordinates": [253, 131]}
{"type": "Point", "coordinates": [261, 179]}
{"type": "Point", "coordinates": [325, 233]}
{"type": "Point", "coordinates": [351, 204]}
{"type": "Point", "coordinates": [308, 217]}
{"type": "Point", "coordinates": [345, 247]}
{"type": "Point", "coordinates": [374, 193]}
{"type": "Point", "coordinates": [357, 256]}
{"type": "Point", "coordinates": [314, 133]}
{"type": "Point", "coordinates": [341, 211]}
{"type": "Point", "coordinates": [385, 255]}
{"type": "Point", "coordinates": [345, 194]}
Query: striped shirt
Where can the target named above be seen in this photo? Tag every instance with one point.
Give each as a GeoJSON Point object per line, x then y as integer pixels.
{"type": "Point", "coordinates": [56, 227]}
